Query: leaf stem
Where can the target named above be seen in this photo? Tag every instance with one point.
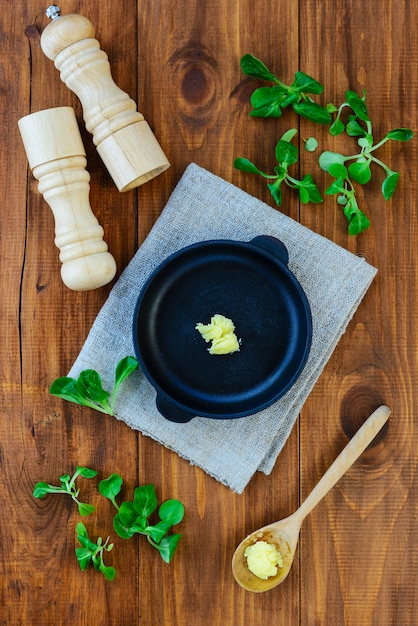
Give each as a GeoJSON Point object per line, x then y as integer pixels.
{"type": "Point", "coordinates": [292, 182]}
{"type": "Point", "coordinates": [54, 489]}
{"type": "Point", "coordinates": [379, 144]}
{"type": "Point", "coordinates": [72, 481]}
{"type": "Point", "coordinates": [113, 501]}
{"type": "Point", "coordinates": [151, 540]}
{"type": "Point", "coordinates": [382, 165]}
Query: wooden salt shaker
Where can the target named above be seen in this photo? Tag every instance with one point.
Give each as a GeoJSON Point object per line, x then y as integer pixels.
{"type": "Point", "coordinates": [57, 158]}
{"type": "Point", "coordinates": [121, 135]}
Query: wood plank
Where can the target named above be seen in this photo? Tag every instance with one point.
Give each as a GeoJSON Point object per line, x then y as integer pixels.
{"type": "Point", "coordinates": [12, 245]}
{"type": "Point", "coordinates": [201, 115]}
{"type": "Point", "coordinates": [54, 436]}
{"type": "Point", "coordinates": [375, 361]}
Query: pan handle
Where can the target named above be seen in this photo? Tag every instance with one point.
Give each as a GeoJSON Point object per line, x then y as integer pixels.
{"type": "Point", "coordinates": [273, 245]}
{"type": "Point", "coordinates": [171, 411]}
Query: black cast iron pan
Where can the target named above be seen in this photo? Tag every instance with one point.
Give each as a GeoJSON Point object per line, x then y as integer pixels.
{"type": "Point", "coordinates": [250, 283]}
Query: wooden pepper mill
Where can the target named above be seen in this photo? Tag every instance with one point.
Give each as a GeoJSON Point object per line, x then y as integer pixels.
{"type": "Point", "coordinates": [57, 158]}
{"type": "Point", "coordinates": [121, 135]}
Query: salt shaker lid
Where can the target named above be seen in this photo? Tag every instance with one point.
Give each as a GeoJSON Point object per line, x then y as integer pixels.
{"type": "Point", "coordinates": [51, 134]}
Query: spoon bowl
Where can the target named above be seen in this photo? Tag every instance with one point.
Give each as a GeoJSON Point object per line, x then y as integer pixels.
{"type": "Point", "coordinates": [284, 534]}
{"type": "Point", "coordinates": [277, 535]}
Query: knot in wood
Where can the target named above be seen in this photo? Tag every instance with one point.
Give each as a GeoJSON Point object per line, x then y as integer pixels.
{"type": "Point", "coordinates": [195, 86]}
{"type": "Point", "coordinates": [32, 32]}
{"type": "Point", "coordinates": [358, 403]}
{"type": "Point", "coordinates": [193, 78]}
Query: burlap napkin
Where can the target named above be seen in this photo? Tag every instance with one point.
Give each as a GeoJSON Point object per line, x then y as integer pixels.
{"type": "Point", "coordinates": [202, 207]}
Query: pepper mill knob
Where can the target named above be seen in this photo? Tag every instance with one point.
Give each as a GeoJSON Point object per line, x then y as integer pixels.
{"type": "Point", "coordinates": [121, 135]}
{"type": "Point", "coordinates": [53, 12]}
{"type": "Point", "coordinates": [57, 158]}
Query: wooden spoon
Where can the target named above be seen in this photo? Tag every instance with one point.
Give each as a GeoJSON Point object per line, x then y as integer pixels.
{"type": "Point", "coordinates": [284, 534]}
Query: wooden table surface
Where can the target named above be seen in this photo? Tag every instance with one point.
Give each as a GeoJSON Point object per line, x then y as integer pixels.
{"type": "Point", "coordinates": [180, 61]}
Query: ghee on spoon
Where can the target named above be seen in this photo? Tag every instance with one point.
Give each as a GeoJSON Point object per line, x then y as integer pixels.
{"type": "Point", "coordinates": [284, 534]}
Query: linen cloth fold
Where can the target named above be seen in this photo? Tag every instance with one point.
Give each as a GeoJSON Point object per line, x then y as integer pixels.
{"type": "Point", "coordinates": [203, 206]}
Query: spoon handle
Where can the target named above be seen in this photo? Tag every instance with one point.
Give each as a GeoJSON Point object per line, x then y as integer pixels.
{"type": "Point", "coordinates": [363, 437]}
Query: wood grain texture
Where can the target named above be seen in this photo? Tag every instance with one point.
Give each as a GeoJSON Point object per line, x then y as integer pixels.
{"type": "Point", "coordinates": [180, 62]}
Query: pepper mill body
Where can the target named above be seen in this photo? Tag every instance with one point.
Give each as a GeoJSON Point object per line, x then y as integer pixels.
{"type": "Point", "coordinates": [58, 161]}
{"type": "Point", "coordinates": [121, 135]}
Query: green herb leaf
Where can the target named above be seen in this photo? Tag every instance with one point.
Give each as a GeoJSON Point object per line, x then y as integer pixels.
{"type": "Point", "coordinates": [306, 84]}
{"type": "Point", "coordinates": [303, 195]}
{"type": "Point", "coordinates": [121, 529]}
{"type": "Point", "coordinates": [145, 500]}
{"type": "Point", "coordinates": [289, 99]}
{"type": "Point", "coordinates": [124, 368]}
{"type": "Point", "coordinates": [337, 127]}
{"type": "Point", "coordinates": [67, 389]}
{"type": "Point", "coordinates": [81, 530]}
{"type": "Point", "coordinates": [313, 112]}
{"type": "Point", "coordinates": [127, 514]}
{"type": "Point", "coordinates": [67, 487]}
{"type": "Point", "coordinates": [286, 153]}
{"type": "Point", "coordinates": [308, 190]}
{"type": "Point", "coordinates": [158, 531]}
{"type": "Point", "coordinates": [171, 511]}
{"type": "Point", "coordinates": [90, 385]}
{"type": "Point", "coordinates": [358, 105]}
{"type": "Point", "coordinates": [110, 487]}
{"type": "Point", "coordinates": [289, 134]}
{"type": "Point", "coordinates": [311, 144]}
{"type": "Point", "coordinates": [389, 185]}
{"type": "Point", "coordinates": [400, 134]}
{"type": "Point", "coordinates": [87, 543]}
{"type": "Point", "coordinates": [85, 509]}
{"type": "Point", "coordinates": [360, 171]}
{"type": "Point", "coordinates": [331, 108]}
{"type": "Point", "coordinates": [366, 141]}
{"type": "Point", "coordinates": [328, 158]}
{"type": "Point", "coordinates": [142, 522]}
{"type": "Point", "coordinates": [276, 192]}
{"type": "Point", "coordinates": [132, 517]}
{"type": "Point", "coordinates": [91, 552]}
{"type": "Point", "coordinates": [353, 129]}
{"type": "Point", "coordinates": [83, 558]}
{"type": "Point", "coordinates": [251, 66]}
{"type": "Point", "coordinates": [41, 489]}
{"type": "Point", "coordinates": [108, 571]}
{"type": "Point", "coordinates": [87, 390]}
{"type": "Point", "coordinates": [335, 187]}
{"type": "Point", "coordinates": [338, 170]}
{"type": "Point", "coordinates": [246, 166]}
{"type": "Point", "coordinates": [167, 547]}
{"type": "Point", "coordinates": [358, 223]}
{"type": "Point", "coordinates": [267, 102]}
{"type": "Point", "coordinates": [86, 472]}
{"type": "Point", "coordinates": [270, 101]}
